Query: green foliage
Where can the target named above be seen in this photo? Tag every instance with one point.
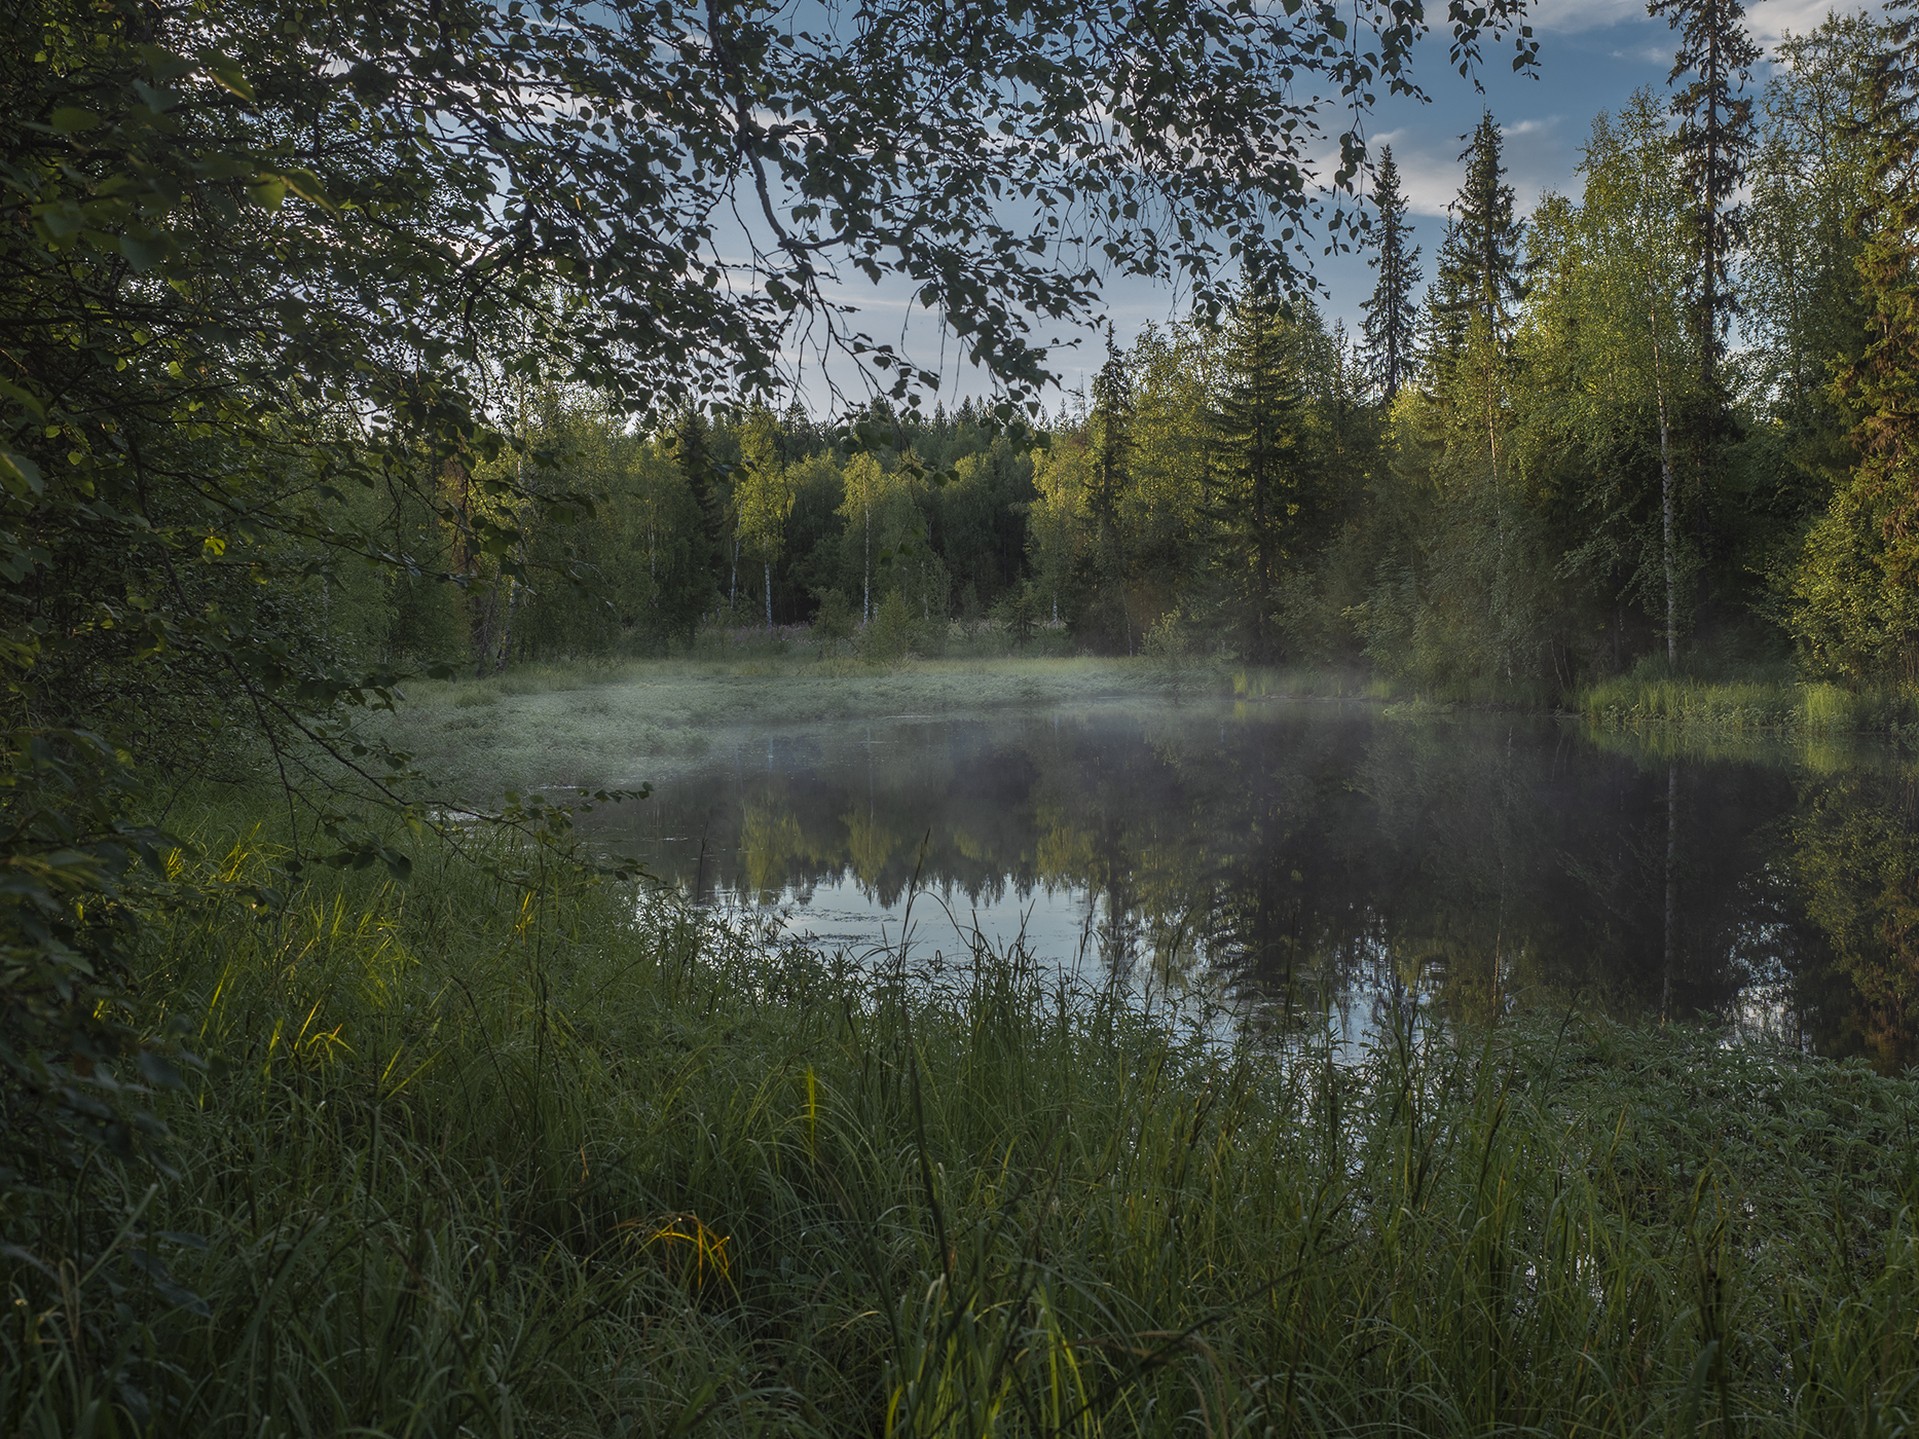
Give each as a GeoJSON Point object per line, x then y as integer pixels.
{"type": "Point", "coordinates": [1856, 612]}
{"type": "Point", "coordinates": [1855, 853]}
{"type": "Point", "coordinates": [1479, 264]}
{"type": "Point", "coordinates": [836, 619]}
{"type": "Point", "coordinates": [325, 331]}
{"type": "Point", "coordinates": [1811, 181]}
{"type": "Point", "coordinates": [1019, 613]}
{"type": "Point", "coordinates": [527, 1149]}
{"type": "Point", "coordinates": [1265, 500]}
{"type": "Point", "coordinates": [1851, 621]}
{"type": "Point", "coordinates": [894, 633]}
{"type": "Point", "coordinates": [1608, 325]}
{"type": "Point", "coordinates": [1651, 696]}
{"type": "Point", "coordinates": [1713, 143]}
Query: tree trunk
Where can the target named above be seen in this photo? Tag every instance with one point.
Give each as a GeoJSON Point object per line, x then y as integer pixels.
{"type": "Point", "coordinates": [866, 572]}
{"type": "Point", "coordinates": [1500, 607]}
{"type": "Point", "coordinates": [505, 642]}
{"type": "Point", "coordinates": [1666, 500]}
{"type": "Point", "coordinates": [768, 576]}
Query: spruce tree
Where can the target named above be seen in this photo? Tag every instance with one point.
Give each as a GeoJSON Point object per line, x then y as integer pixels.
{"type": "Point", "coordinates": [1392, 315]}
{"type": "Point", "coordinates": [1261, 462]}
{"type": "Point", "coordinates": [1478, 292]}
{"type": "Point", "coordinates": [692, 449]}
{"type": "Point", "coordinates": [1110, 434]}
{"type": "Point", "coordinates": [1112, 425]}
{"type": "Point", "coordinates": [1715, 137]}
{"type": "Point", "coordinates": [1480, 267]}
{"type": "Point", "coordinates": [1444, 323]}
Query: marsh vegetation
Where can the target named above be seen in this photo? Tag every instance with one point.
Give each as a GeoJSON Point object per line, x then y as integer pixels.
{"type": "Point", "coordinates": [503, 1153]}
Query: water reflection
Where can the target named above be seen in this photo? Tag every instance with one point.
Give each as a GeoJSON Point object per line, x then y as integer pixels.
{"type": "Point", "coordinates": [1335, 861]}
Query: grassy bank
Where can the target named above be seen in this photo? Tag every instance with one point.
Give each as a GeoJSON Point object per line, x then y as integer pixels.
{"type": "Point", "coordinates": [1651, 700]}
{"type": "Point", "coordinates": [497, 1153]}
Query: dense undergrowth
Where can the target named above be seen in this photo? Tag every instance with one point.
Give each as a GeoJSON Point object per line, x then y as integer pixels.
{"type": "Point", "coordinates": [505, 1152]}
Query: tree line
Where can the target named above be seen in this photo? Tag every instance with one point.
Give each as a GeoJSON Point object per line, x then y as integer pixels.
{"type": "Point", "coordinates": [1666, 415]}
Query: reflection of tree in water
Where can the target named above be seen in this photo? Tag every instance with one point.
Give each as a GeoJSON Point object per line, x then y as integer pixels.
{"type": "Point", "coordinates": [1855, 851]}
{"type": "Point", "coordinates": [773, 848]}
{"type": "Point", "coordinates": [871, 845]}
{"type": "Point", "coordinates": [1332, 860]}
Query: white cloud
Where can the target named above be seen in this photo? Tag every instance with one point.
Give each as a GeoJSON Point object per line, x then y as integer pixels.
{"type": "Point", "coordinates": [1542, 125]}
{"type": "Point", "coordinates": [1570, 17]}
{"type": "Point", "coordinates": [1643, 54]}
{"type": "Point", "coordinates": [1769, 20]}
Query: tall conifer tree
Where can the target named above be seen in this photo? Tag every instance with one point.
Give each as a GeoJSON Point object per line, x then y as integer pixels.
{"type": "Point", "coordinates": [1392, 315]}
{"type": "Point", "coordinates": [1715, 137]}
{"type": "Point", "coordinates": [1480, 268]}
{"type": "Point", "coordinates": [1112, 438]}
{"type": "Point", "coordinates": [692, 450]}
{"type": "Point", "coordinates": [1444, 322]}
{"type": "Point", "coordinates": [1261, 460]}
{"type": "Point", "coordinates": [1110, 435]}
{"type": "Point", "coordinates": [1480, 289]}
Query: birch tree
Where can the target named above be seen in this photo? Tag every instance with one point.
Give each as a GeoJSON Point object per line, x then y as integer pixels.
{"type": "Point", "coordinates": [763, 498]}
{"type": "Point", "coordinates": [1626, 276]}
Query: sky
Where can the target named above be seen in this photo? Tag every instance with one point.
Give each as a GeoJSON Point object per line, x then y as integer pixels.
{"type": "Point", "coordinates": [1592, 55]}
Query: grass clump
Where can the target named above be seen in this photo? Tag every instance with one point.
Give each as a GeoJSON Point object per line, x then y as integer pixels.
{"type": "Point", "coordinates": [504, 1152]}
{"type": "Point", "coordinates": [1650, 697]}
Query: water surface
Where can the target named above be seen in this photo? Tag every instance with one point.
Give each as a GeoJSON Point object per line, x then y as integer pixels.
{"type": "Point", "coordinates": [1322, 862]}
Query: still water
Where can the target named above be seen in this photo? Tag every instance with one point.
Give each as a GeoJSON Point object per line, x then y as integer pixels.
{"type": "Point", "coordinates": [1323, 862]}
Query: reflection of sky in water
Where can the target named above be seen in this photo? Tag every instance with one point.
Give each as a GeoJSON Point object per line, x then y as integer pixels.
{"type": "Point", "coordinates": [1326, 865]}
{"type": "Point", "coordinates": [933, 935]}
{"type": "Point", "coordinates": [1068, 930]}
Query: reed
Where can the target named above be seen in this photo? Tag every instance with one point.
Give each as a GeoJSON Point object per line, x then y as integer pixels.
{"type": "Point", "coordinates": [1653, 699]}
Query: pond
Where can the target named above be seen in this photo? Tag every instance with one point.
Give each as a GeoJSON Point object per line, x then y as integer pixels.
{"type": "Point", "coordinates": [1321, 863]}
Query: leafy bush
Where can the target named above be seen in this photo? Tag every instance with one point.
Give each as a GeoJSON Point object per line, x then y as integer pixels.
{"type": "Point", "coordinates": [836, 619]}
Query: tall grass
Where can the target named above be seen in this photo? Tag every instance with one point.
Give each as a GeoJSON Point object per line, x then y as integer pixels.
{"type": "Point", "coordinates": [516, 1154]}
{"type": "Point", "coordinates": [1651, 698]}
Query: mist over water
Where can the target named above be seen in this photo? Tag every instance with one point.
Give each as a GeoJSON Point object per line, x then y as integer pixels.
{"type": "Point", "coordinates": [1323, 863]}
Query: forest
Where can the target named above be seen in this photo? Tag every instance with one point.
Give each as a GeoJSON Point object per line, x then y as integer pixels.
{"type": "Point", "coordinates": [1644, 422]}
{"type": "Point", "coordinates": [425, 424]}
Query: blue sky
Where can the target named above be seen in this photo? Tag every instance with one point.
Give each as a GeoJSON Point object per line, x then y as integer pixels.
{"type": "Point", "coordinates": [1593, 54]}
